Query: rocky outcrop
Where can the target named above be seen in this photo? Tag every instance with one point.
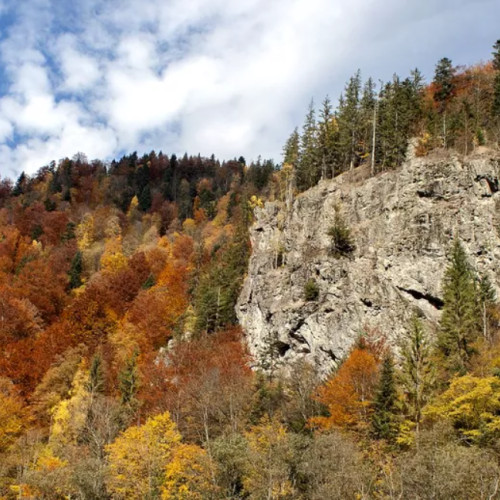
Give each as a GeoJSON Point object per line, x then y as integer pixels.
{"type": "Point", "coordinates": [402, 223]}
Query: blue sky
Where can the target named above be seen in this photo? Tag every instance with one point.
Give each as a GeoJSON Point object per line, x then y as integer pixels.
{"type": "Point", "coordinates": [104, 77]}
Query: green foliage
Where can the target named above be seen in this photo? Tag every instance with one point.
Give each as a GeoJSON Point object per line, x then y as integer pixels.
{"type": "Point", "coordinates": [129, 382]}
{"type": "Point", "coordinates": [417, 370]}
{"type": "Point", "coordinates": [342, 242]}
{"type": "Point", "coordinates": [311, 290]}
{"type": "Point", "coordinates": [443, 80]}
{"type": "Point", "coordinates": [460, 322]}
{"type": "Point", "coordinates": [75, 271]}
{"type": "Point", "coordinates": [96, 381]}
{"type": "Point", "coordinates": [384, 423]}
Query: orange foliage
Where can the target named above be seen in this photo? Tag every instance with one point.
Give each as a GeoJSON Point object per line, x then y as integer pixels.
{"type": "Point", "coordinates": [347, 395]}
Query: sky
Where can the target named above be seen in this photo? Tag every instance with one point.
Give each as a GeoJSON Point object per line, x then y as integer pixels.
{"type": "Point", "coordinates": [230, 78]}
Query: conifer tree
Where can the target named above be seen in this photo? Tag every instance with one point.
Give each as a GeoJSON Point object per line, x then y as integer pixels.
{"type": "Point", "coordinates": [291, 149]}
{"type": "Point", "coordinates": [96, 380]}
{"type": "Point", "coordinates": [487, 296]}
{"type": "Point", "coordinates": [327, 139]}
{"type": "Point", "coordinates": [384, 405]}
{"type": "Point", "coordinates": [417, 369]}
{"type": "Point", "coordinates": [443, 81]}
{"type": "Point", "coordinates": [308, 172]}
{"type": "Point", "coordinates": [460, 322]}
{"type": "Point", "coordinates": [129, 382]}
{"type": "Point", "coordinates": [348, 118]}
{"type": "Point", "coordinates": [75, 271]}
{"type": "Point", "coordinates": [496, 90]}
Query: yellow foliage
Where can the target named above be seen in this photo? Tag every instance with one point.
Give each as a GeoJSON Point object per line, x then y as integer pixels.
{"type": "Point", "coordinates": [69, 415]}
{"type": "Point", "coordinates": [267, 474]}
{"type": "Point", "coordinates": [85, 232]}
{"type": "Point", "coordinates": [11, 418]}
{"type": "Point", "coordinates": [255, 202]}
{"type": "Point", "coordinates": [188, 476]}
{"type": "Point", "coordinates": [138, 457]}
{"type": "Point", "coordinates": [189, 226]}
{"type": "Point", "coordinates": [113, 259]}
{"type": "Point", "coordinates": [472, 404]}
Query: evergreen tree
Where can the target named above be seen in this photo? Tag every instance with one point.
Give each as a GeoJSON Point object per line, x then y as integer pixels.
{"type": "Point", "coordinates": [496, 89]}
{"type": "Point", "coordinates": [291, 149]}
{"type": "Point", "coordinates": [348, 118]}
{"type": "Point", "coordinates": [417, 369]}
{"type": "Point", "coordinates": [308, 171]}
{"type": "Point", "coordinates": [75, 271]}
{"type": "Point", "coordinates": [20, 185]}
{"type": "Point", "coordinates": [460, 322]}
{"type": "Point", "coordinates": [327, 131]}
{"type": "Point", "coordinates": [96, 382]}
{"type": "Point", "coordinates": [384, 405]}
{"type": "Point", "coordinates": [367, 115]}
{"type": "Point", "coordinates": [443, 82]}
{"type": "Point", "coordinates": [488, 297]}
{"type": "Point", "coordinates": [129, 383]}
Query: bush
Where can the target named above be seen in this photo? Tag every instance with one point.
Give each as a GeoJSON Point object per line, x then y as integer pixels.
{"type": "Point", "coordinates": [311, 290]}
{"type": "Point", "coordinates": [342, 243]}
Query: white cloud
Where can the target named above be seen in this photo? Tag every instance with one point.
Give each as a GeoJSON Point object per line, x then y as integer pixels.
{"type": "Point", "coordinates": [208, 76]}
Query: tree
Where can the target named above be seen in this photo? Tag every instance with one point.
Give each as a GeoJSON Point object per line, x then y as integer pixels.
{"type": "Point", "coordinates": [496, 66]}
{"type": "Point", "coordinates": [444, 87]}
{"type": "Point", "coordinates": [417, 369]}
{"type": "Point", "coordinates": [348, 118]}
{"type": "Point", "coordinates": [342, 243]}
{"type": "Point", "coordinates": [75, 271]}
{"type": "Point", "coordinates": [487, 297]}
{"type": "Point", "coordinates": [384, 404]}
{"type": "Point", "coordinates": [327, 139]}
{"type": "Point", "coordinates": [348, 394]}
{"type": "Point", "coordinates": [308, 172]}
{"type": "Point", "coordinates": [189, 475]}
{"type": "Point", "coordinates": [460, 322]}
{"type": "Point", "coordinates": [268, 471]}
{"type": "Point", "coordinates": [138, 457]}
{"type": "Point", "coordinates": [291, 149]}
{"type": "Point", "coordinates": [472, 405]}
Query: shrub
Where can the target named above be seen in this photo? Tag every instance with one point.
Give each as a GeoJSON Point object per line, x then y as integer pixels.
{"type": "Point", "coordinates": [311, 290]}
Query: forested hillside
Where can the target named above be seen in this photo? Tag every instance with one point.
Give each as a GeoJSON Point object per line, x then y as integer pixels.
{"type": "Point", "coordinates": [124, 373]}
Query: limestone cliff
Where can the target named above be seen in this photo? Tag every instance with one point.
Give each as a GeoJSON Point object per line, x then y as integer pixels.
{"type": "Point", "coordinates": [402, 223]}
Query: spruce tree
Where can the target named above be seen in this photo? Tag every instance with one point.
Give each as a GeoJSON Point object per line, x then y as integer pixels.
{"type": "Point", "coordinates": [129, 383]}
{"type": "Point", "coordinates": [443, 82]}
{"type": "Point", "coordinates": [327, 139]}
{"type": "Point", "coordinates": [308, 171]}
{"type": "Point", "coordinates": [291, 149]}
{"type": "Point", "coordinates": [496, 90]}
{"type": "Point", "coordinates": [384, 406]}
{"type": "Point", "coordinates": [75, 271]}
{"type": "Point", "coordinates": [488, 297]}
{"type": "Point", "coordinates": [417, 369]}
{"type": "Point", "coordinates": [460, 322]}
{"type": "Point", "coordinates": [349, 119]}
{"type": "Point", "coordinates": [96, 382]}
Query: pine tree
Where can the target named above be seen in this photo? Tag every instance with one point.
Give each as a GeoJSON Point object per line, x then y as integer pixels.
{"type": "Point", "coordinates": [96, 382]}
{"type": "Point", "coordinates": [348, 118]}
{"type": "Point", "coordinates": [327, 139]}
{"type": "Point", "coordinates": [384, 405]}
{"type": "Point", "coordinates": [291, 149]}
{"type": "Point", "coordinates": [443, 81]}
{"type": "Point", "coordinates": [460, 322]}
{"type": "Point", "coordinates": [417, 369]}
{"type": "Point", "coordinates": [308, 171]}
{"type": "Point", "coordinates": [129, 382]}
{"type": "Point", "coordinates": [496, 66]}
{"type": "Point", "coordinates": [488, 298]}
{"type": "Point", "coordinates": [75, 271]}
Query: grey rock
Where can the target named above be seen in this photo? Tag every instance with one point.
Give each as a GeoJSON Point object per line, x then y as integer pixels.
{"type": "Point", "coordinates": [402, 223]}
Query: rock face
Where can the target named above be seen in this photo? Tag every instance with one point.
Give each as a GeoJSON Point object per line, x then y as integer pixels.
{"type": "Point", "coordinates": [402, 223]}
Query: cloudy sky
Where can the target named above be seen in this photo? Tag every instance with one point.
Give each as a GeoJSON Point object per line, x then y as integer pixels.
{"type": "Point", "coordinates": [108, 77]}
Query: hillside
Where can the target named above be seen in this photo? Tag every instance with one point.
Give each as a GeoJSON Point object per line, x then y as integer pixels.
{"type": "Point", "coordinates": [402, 224]}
